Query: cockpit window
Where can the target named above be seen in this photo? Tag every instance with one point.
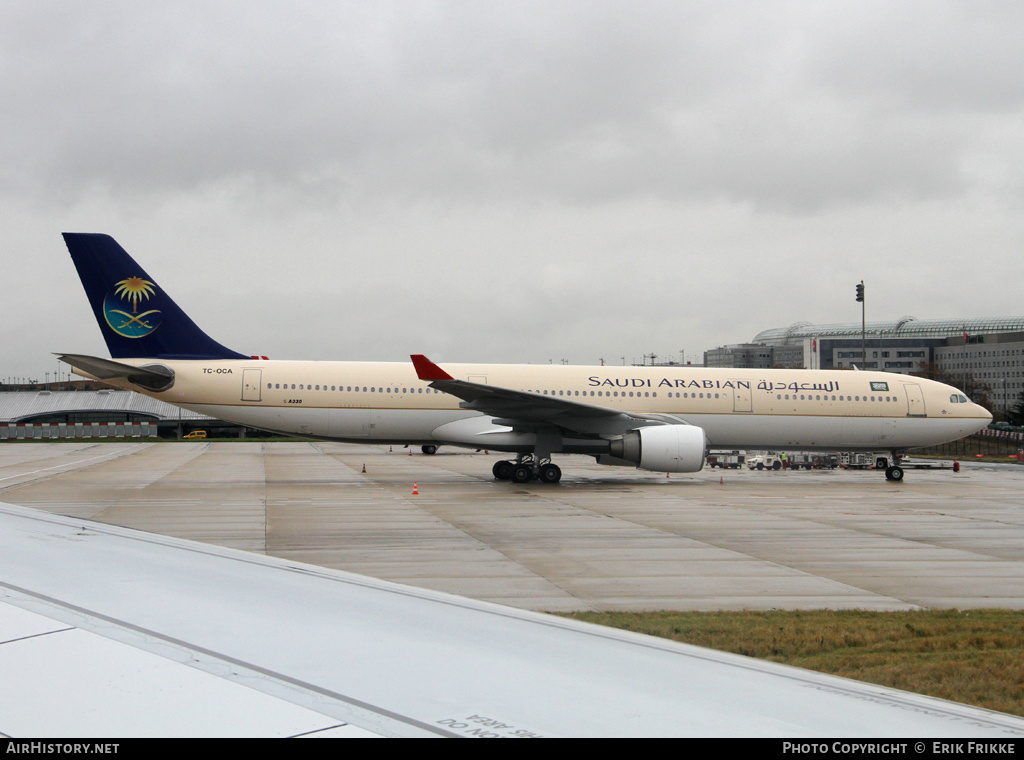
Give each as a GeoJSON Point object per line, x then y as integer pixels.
{"type": "Point", "coordinates": [963, 400]}
{"type": "Point", "coordinates": [955, 398]}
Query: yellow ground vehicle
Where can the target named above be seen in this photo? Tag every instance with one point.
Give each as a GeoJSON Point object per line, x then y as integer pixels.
{"type": "Point", "coordinates": [196, 434]}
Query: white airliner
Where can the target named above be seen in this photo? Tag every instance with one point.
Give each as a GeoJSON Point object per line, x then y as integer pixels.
{"type": "Point", "coordinates": [656, 418]}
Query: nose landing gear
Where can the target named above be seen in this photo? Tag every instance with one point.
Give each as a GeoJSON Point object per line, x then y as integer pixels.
{"type": "Point", "coordinates": [893, 473]}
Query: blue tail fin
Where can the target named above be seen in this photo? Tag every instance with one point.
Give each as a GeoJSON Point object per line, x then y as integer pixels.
{"type": "Point", "coordinates": [136, 317]}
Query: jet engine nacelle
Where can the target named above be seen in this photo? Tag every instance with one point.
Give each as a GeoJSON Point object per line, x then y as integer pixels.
{"type": "Point", "coordinates": [663, 448]}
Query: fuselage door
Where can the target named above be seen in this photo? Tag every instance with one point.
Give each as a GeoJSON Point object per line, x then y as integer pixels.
{"type": "Point", "coordinates": [741, 396]}
{"type": "Point", "coordinates": [915, 400]}
{"type": "Point", "coordinates": [252, 385]}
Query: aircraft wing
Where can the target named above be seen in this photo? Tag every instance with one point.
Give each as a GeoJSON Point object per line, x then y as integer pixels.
{"type": "Point", "coordinates": [518, 407]}
{"type": "Point", "coordinates": [106, 631]}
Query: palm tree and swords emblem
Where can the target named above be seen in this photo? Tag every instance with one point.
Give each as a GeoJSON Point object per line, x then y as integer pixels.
{"type": "Point", "coordinates": [134, 325]}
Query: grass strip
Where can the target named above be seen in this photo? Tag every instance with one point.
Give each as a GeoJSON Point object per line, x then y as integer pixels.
{"type": "Point", "coordinates": [970, 656]}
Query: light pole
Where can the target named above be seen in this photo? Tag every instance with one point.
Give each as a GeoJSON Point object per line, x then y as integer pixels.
{"type": "Point", "coordinates": [863, 337]}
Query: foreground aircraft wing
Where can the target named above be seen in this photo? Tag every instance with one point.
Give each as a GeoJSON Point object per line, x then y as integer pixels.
{"type": "Point", "coordinates": [526, 407]}
{"type": "Point", "coordinates": [146, 635]}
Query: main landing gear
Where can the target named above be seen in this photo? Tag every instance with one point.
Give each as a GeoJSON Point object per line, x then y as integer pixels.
{"type": "Point", "coordinates": [526, 468]}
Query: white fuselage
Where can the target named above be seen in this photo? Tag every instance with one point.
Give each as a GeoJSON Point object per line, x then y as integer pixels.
{"type": "Point", "coordinates": [385, 402]}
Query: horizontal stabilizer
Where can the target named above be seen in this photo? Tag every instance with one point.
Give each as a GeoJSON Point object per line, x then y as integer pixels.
{"type": "Point", "coordinates": [152, 376]}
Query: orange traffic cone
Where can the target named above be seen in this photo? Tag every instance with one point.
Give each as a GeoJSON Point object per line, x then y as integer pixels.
{"type": "Point", "coordinates": [415, 489]}
{"type": "Point", "coordinates": [364, 466]}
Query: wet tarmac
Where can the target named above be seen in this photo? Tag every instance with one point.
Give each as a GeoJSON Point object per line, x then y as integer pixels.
{"type": "Point", "coordinates": [602, 539]}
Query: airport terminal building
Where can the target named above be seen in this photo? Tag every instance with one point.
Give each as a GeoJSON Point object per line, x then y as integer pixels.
{"type": "Point", "coordinates": [991, 350]}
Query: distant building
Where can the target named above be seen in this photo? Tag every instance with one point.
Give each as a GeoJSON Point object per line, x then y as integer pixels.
{"type": "Point", "coordinates": [991, 350]}
{"type": "Point", "coordinates": [755, 356]}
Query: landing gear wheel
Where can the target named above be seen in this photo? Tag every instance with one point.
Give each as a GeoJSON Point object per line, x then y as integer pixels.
{"type": "Point", "coordinates": [550, 473]}
{"type": "Point", "coordinates": [502, 470]}
{"type": "Point", "coordinates": [428, 448]}
{"type": "Point", "coordinates": [894, 473]}
{"type": "Point", "coordinates": [521, 473]}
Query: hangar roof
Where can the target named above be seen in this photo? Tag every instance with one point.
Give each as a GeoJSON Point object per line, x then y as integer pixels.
{"type": "Point", "coordinates": [16, 406]}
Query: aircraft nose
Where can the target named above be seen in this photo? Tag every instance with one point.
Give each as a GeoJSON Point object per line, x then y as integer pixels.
{"type": "Point", "coordinates": [982, 415]}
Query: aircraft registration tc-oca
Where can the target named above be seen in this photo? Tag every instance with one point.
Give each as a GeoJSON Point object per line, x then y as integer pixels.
{"type": "Point", "coordinates": [655, 418]}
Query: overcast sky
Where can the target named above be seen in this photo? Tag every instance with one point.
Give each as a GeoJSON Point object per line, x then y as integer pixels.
{"type": "Point", "coordinates": [511, 182]}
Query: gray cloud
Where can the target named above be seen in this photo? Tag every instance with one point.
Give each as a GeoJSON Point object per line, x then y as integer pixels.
{"type": "Point", "coordinates": [517, 182]}
{"type": "Point", "coordinates": [768, 104]}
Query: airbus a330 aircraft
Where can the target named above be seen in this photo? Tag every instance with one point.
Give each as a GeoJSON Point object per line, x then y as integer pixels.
{"type": "Point", "coordinates": [656, 418]}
